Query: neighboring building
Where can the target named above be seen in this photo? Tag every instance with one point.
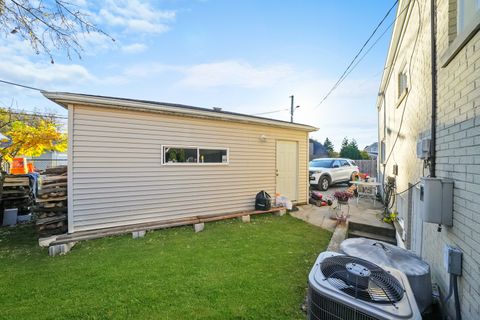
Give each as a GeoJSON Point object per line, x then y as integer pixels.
{"type": "Point", "coordinates": [135, 161]}
{"type": "Point", "coordinates": [405, 117]}
{"type": "Point", "coordinates": [372, 150]}
{"type": "Point", "coordinates": [49, 160]}
{"type": "Point", "coordinates": [316, 150]}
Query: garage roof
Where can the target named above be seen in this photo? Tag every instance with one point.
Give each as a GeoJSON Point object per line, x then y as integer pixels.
{"type": "Point", "coordinates": [66, 98]}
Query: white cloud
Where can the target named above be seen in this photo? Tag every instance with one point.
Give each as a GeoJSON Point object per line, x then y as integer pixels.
{"type": "Point", "coordinates": [136, 16]}
{"type": "Point", "coordinates": [134, 48]}
{"type": "Point", "coordinates": [216, 74]}
{"type": "Point", "coordinates": [17, 67]}
{"type": "Point", "coordinates": [234, 73]}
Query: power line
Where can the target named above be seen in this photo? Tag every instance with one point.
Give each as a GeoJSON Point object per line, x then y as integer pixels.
{"type": "Point", "coordinates": [344, 74]}
{"type": "Point", "coordinates": [350, 68]}
{"type": "Point", "coordinates": [39, 115]}
{"type": "Point", "coordinates": [268, 112]}
{"type": "Point", "coordinates": [20, 85]}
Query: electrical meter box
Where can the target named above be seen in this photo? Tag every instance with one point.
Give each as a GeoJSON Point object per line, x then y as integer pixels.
{"type": "Point", "coordinates": [423, 148]}
{"type": "Point", "coordinates": [436, 198]}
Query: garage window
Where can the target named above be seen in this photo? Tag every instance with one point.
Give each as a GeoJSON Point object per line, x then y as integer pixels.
{"type": "Point", "coordinates": [194, 155]}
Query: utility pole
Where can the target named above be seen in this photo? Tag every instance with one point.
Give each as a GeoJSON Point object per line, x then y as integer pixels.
{"type": "Point", "coordinates": [291, 108]}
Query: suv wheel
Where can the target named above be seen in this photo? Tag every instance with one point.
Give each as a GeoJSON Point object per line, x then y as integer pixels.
{"type": "Point", "coordinates": [323, 183]}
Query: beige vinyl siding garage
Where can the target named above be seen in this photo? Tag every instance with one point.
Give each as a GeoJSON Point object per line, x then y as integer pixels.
{"type": "Point", "coordinates": [117, 177]}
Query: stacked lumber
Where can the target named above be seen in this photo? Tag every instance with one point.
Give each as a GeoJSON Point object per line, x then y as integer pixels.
{"type": "Point", "coordinates": [51, 203]}
{"type": "Point", "coordinates": [17, 193]}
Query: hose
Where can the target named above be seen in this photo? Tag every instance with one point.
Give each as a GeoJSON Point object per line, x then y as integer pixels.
{"type": "Point", "coordinates": [389, 195]}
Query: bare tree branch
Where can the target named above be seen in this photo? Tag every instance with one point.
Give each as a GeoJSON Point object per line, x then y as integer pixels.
{"type": "Point", "coordinates": [47, 25]}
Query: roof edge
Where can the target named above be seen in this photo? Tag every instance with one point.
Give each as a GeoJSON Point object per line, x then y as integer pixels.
{"type": "Point", "coordinates": [403, 10]}
{"type": "Point", "coordinates": [65, 98]}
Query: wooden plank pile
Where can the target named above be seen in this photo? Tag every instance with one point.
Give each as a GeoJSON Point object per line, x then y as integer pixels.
{"type": "Point", "coordinates": [51, 204]}
{"type": "Point", "coordinates": [17, 193]}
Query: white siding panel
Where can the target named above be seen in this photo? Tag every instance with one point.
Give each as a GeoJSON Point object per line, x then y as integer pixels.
{"type": "Point", "coordinates": [118, 178]}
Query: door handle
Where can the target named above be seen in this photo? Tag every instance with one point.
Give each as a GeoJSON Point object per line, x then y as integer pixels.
{"type": "Point", "coordinates": [276, 172]}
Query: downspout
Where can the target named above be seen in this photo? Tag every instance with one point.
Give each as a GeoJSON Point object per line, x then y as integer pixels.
{"type": "Point", "coordinates": [433, 130]}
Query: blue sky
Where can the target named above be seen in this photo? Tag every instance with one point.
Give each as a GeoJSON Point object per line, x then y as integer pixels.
{"type": "Point", "coordinates": [243, 56]}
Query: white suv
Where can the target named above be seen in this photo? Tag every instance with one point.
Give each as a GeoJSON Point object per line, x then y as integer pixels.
{"type": "Point", "coordinates": [327, 171]}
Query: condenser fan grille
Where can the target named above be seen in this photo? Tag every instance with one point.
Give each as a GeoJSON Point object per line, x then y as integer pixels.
{"type": "Point", "coordinates": [361, 279]}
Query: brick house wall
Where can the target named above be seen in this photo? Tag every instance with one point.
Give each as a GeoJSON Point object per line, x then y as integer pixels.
{"type": "Point", "coordinates": [458, 137]}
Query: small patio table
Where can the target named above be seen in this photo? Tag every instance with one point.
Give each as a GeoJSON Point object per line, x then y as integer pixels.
{"type": "Point", "coordinates": [367, 189]}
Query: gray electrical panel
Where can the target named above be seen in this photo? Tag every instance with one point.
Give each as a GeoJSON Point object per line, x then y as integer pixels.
{"type": "Point", "coordinates": [436, 198]}
{"type": "Point", "coordinates": [452, 260]}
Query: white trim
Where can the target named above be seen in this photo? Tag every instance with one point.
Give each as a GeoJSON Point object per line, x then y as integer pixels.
{"type": "Point", "coordinates": [198, 163]}
{"type": "Point", "coordinates": [70, 168]}
{"type": "Point", "coordinates": [401, 24]}
{"type": "Point", "coordinates": [460, 41]}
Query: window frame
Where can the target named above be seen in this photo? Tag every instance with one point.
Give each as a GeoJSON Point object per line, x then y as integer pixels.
{"type": "Point", "coordinates": [344, 163]}
{"type": "Point", "coordinates": [198, 163]}
{"type": "Point", "coordinates": [461, 38]}
{"type": "Point", "coordinates": [402, 93]}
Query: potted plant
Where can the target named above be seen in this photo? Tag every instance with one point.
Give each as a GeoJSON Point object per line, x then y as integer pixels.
{"type": "Point", "coordinates": [342, 196]}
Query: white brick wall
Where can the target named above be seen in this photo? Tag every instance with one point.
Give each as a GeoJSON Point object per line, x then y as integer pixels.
{"type": "Point", "coordinates": [458, 141]}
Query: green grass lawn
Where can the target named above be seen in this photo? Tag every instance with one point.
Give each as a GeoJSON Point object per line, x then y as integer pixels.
{"type": "Point", "coordinates": [230, 270]}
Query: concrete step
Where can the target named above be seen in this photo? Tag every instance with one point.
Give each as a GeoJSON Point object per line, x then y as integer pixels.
{"type": "Point", "coordinates": [373, 236]}
{"type": "Point", "coordinates": [382, 229]}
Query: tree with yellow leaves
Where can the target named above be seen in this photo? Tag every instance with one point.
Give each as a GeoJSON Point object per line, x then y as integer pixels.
{"type": "Point", "coordinates": [30, 134]}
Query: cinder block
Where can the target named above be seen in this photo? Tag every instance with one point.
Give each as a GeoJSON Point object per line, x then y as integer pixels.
{"type": "Point", "coordinates": [138, 234]}
{"type": "Point", "coordinates": [280, 212]}
{"type": "Point", "coordinates": [199, 227]}
{"type": "Point", "coordinates": [246, 218]}
{"type": "Point", "coordinates": [57, 249]}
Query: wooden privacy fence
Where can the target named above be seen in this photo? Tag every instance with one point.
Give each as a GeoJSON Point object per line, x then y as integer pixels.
{"type": "Point", "coordinates": [367, 166]}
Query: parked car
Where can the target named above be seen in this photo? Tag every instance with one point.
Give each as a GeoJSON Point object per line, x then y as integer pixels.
{"type": "Point", "coordinates": [327, 171]}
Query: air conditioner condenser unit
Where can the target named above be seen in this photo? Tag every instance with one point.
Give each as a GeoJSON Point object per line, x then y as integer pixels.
{"type": "Point", "coordinates": [350, 288]}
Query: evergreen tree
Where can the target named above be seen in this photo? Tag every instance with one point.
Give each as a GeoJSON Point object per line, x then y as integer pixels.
{"type": "Point", "coordinates": [350, 149]}
{"type": "Point", "coordinates": [328, 145]}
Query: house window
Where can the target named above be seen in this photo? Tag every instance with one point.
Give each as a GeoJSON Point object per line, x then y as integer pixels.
{"type": "Point", "coordinates": [213, 155]}
{"type": "Point", "coordinates": [402, 84]}
{"type": "Point", "coordinates": [463, 24]}
{"type": "Point", "coordinates": [467, 10]}
{"type": "Point", "coordinates": [194, 155]}
{"type": "Point", "coordinates": [179, 155]}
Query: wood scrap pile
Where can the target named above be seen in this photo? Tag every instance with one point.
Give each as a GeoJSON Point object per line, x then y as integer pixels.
{"type": "Point", "coordinates": [18, 193]}
{"type": "Point", "coordinates": [51, 204]}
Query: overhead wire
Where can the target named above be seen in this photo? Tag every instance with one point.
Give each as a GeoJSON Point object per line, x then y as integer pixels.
{"type": "Point", "coordinates": [353, 64]}
{"type": "Point", "coordinates": [20, 85]}
{"type": "Point", "coordinates": [268, 112]}
{"type": "Point", "coordinates": [346, 71]}
{"type": "Point", "coordinates": [40, 115]}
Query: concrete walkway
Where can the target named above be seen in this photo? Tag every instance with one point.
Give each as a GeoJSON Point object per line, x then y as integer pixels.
{"type": "Point", "coordinates": [365, 212]}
